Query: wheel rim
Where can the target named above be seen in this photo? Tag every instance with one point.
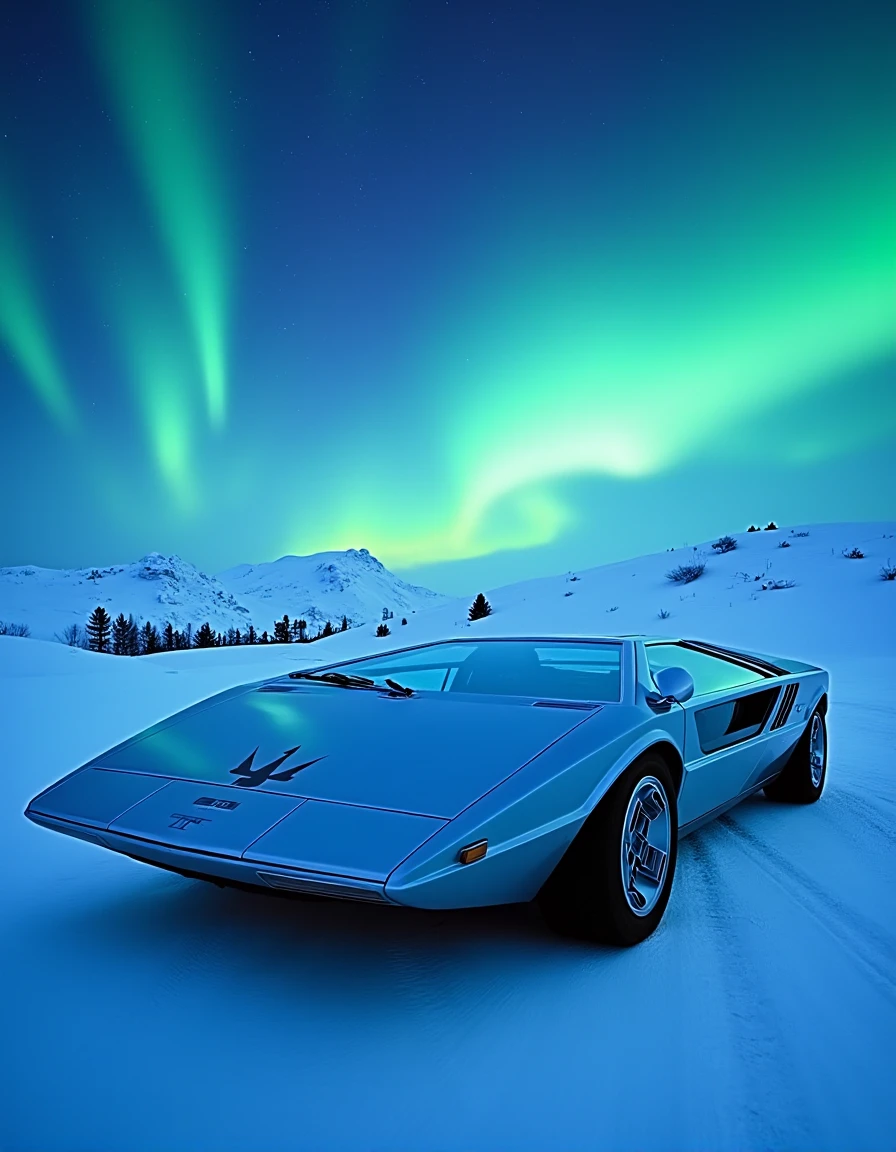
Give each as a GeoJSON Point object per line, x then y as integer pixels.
{"type": "Point", "coordinates": [646, 838]}
{"type": "Point", "coordinates": [816, 750]}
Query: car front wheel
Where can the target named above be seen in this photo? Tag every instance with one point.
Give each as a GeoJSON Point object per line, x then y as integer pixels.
{"type": "Point", "coordinates": [614, 882]}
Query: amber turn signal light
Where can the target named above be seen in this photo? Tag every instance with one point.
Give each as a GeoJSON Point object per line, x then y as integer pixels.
{"type": "Point", "coordinates": [473, 852]}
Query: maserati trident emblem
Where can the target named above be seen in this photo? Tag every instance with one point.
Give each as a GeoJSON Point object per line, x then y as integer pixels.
{"type": "Point", "coordinates": [180, 821]}
{"type": "Point", "coordinates": [252, 777]}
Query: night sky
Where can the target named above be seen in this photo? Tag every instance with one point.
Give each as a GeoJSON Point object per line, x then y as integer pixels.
{"type": "Point", "coordinates": [489, 289]}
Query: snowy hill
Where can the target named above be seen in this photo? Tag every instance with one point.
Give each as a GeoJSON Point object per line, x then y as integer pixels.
{"type": "Point", "coordinates": [324, 587]}
{"type": "Point", "coordinates": [162, 588]}
{"type": "Point", "coordinates": [789, 591]}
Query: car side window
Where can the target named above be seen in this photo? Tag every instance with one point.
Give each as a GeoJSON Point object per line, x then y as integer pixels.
{"type": "Point", "coordinates": [710, 673]}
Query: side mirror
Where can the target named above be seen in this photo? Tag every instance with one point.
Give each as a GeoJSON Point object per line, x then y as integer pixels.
{"type": "Point", "coordinates": [675, 685]}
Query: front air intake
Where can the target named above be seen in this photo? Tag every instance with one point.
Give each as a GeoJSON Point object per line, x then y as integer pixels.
{"type": "Point", "coordinates": [311, 887]}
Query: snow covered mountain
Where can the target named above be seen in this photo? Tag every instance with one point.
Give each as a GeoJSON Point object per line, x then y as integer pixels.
{"type": "Point", "coordinates": [166, 588]}
{"type": "Point", "coordinates": [157, 588]}
{"type": "Point", "coordinates": [324, 587]}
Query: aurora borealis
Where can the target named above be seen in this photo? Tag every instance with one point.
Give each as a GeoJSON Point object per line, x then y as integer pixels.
{"type": "Point", "coordinates": [496, 289]}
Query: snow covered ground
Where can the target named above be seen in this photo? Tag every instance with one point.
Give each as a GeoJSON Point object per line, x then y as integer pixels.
{"type": "Point", "coordinates": [145, 1011]}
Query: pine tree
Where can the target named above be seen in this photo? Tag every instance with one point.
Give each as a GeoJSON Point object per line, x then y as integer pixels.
{"type": "Point", "coordinates": [294, 631]}
{"type": "Point", "coordinates": [264, 637]}
{"type": "Point", "coordinates": [344, 625]}
{"type": "Point", "coordinates": [231, 637]}
{"type": "Point", "coordinates": [120, 635]}
{"type": "Point", "coordinates": [132, 642]}
{"type": "Point", "coordinates": [149, 639]}
{"type": "Point", "coordinates": [98, 629]}
{"type": "Point", "coordinates": [328, 629]}
{"type": "Point", "coordinates": [281, 631]}
{"type": "Point", "coordinates": [404, 620]}
{"type": "Point", "coordinates": [188, 636]}
{"type": "Point", "coordinates": [303, 630]}
{"type": "Point", "coordinates": [205, 637]}
{"type": "Point", "coordinates": [382, 629]}
{"type": "Point", "coordinates": [168, 637]}
{"type": "Point", "coordinates": [237, 637]}
{"type": "Point", "coordinates": [251, 637]}
{"type": "Point", "coordinates": [480, 608]}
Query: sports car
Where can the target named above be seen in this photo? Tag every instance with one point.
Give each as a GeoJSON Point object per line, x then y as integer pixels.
{"type": "Point", "coordinates": [462, 773]}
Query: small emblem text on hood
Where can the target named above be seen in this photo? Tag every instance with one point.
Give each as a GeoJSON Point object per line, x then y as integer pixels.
{"type": "Point", "coordinates": [211, 802]}
{"type": "Point", "coordinates": [252, 777]}
{"type": "Point", "coordinates": [180, 821]}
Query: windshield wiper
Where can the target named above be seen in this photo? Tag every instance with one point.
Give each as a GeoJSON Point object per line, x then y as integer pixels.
{"type": "Point", "coordinates": [342, 680]}
{"type": "Point", "coordinates": [338, 678]}
{"type": "Point", "coordinates": [400, 688]}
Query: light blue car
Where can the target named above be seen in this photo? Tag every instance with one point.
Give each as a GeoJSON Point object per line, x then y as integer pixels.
{"type": "Point", "coordinates": [463, 773]}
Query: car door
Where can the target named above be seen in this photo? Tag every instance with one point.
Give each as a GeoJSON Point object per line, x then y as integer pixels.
{"type": "Point", "coordinates": [729, 709]}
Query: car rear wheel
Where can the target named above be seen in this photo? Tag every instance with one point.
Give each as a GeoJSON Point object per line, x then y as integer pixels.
{"type": "Point", "coordinates": [614, 882]}
{"type": "Point", "coordinates": [802, 779]}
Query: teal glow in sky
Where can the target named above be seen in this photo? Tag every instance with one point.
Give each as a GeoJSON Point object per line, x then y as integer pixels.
{"type": "Point", "coordinates": [486, 292]}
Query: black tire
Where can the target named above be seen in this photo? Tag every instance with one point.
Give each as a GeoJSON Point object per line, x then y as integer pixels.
{"type": "Point", "coordinates": [585, 895]}
{"type": "Point", "coordinates": [795, 783]}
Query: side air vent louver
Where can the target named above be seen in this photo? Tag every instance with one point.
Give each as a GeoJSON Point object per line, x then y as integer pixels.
{"type": "Point", "coordinates": [321, 888]}
{"type": "Point", "coordinates": [580, 705]}
{"type": "Point", "coordinates": [786, 705]}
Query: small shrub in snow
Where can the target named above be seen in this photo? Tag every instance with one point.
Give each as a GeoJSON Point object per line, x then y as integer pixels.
{"type": "Point", "coordinates": [479, 609]}
{"type": "Point", "coordinates": [753, 528]}
{"type": "Point", "coordinates": [854, 554]}
{"type": "Point", "coordinates": [687, 573]}
{"type": "Point", "coordinates": [725, 544]}
{"type": "Point", "coordinates": [615, 608]}
{"type": "Point", "coordinates": [382, 629]}
{"type": "Point", "coordinates": [11, 629]}
{"type": "Point", "coordinates": [792, 533]}
{"type": "Point", "coordinates": [73, 635]}
{"type": "Point", "coordinates": [888, 571]}
{"type": "Point", "coordinates": [404, 620]}
{"type": "Point", "coordinates": [774, 585]}
{"type": "Point", "coordinates": [567, 593]}
{"type": "Point", "coordinates": [784, 544]}
{"type": "Point", "coordinates": [663, 614]}
{"type": "Point", "coordinates": [771, 526]}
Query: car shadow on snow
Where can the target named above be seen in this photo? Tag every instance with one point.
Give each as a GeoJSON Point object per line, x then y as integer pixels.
{"type": "Point", "coordinates": [189, 930]}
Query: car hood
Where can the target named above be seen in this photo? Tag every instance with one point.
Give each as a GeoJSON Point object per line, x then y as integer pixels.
{"type": "Point", "coordinates": [431, 754]}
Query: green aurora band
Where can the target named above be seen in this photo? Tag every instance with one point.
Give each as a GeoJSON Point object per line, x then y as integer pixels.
{"type": "Point", "coordinates": [143, 50]}
{"type": "Point", "coordinates": [23, 327]}
{"type": "Point", "coordinates": [627, 358]}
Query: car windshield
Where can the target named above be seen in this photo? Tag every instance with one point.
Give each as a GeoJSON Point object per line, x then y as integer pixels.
{"type": "Point", "coordinates": [554, 670]}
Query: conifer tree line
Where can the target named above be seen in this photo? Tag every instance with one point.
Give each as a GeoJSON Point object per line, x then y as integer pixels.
{"type": "Point", "coordinates": [123, 636]}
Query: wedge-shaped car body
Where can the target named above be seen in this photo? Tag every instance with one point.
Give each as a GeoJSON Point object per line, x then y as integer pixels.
{"type": "Point", "coordinates": [462, 773]}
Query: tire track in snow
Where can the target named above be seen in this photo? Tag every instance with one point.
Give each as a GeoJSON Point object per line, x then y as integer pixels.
{"type": "Point", "coordinates": [861, 813]}
{"type": "Point", "coordinates": [766, 1106]}
{"type": "Point", "coordinates": [862, 939]}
